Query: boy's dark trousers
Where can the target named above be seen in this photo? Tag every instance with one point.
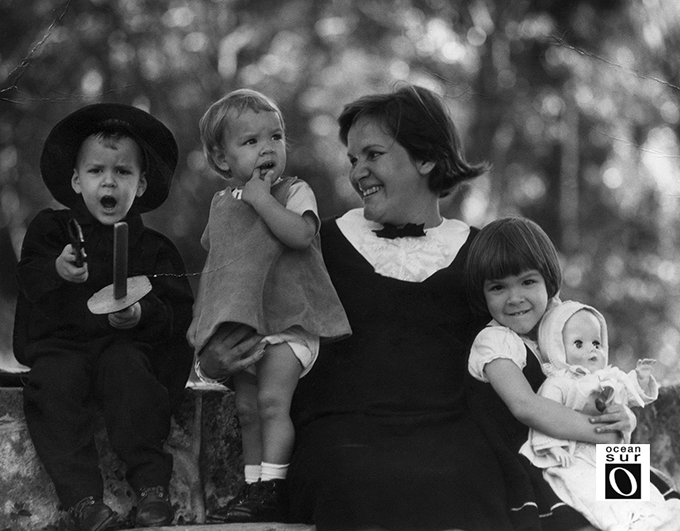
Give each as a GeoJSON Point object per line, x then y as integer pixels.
{"type": "Point", "coordinates": [68, 381]}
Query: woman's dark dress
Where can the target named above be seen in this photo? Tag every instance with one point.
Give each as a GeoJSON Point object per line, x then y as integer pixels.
{"type": "Point", "coordinates": [383, 438]}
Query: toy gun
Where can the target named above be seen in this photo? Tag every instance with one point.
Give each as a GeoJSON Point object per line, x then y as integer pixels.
{"type": "Point", "coordinates": [603, 398]}
{"type": "Point", "coordinates": [77, 241]}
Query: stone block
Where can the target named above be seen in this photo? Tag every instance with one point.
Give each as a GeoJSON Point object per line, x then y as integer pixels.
{"type": "Point", "coordinates": [204, 441]}
{"type": "Point", "coordinates": [27, 498]}
{"type": "Point", "coordinates": [206, 447]}
{"type": "Point", "coordinates": [659, 426]}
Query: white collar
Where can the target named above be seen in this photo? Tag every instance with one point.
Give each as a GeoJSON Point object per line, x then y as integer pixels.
{"type": "Point", "coordinates": [409, 259]}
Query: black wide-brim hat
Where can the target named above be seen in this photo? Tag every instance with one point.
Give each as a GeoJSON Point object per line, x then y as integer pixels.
{"type": "Point", "coordinates": [58, 158]}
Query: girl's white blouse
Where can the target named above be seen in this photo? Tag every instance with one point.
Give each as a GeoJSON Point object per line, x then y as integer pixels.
{"type": "Point", "coordinates": [411, 259]}
{"type": "Point", "coordinates": [494, 342]}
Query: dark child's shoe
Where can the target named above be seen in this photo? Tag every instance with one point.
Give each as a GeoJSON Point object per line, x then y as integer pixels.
{"type": "Point", "coordinates": [154, 509]}
{"type": "Point", "coordinates": [223, 514]}
{"type": "Point", "coordinates": [273, 501]}
{"type": "Point", "coordinates": [92, 514]}
{"type": "Point", "coordinates": [266, 503]}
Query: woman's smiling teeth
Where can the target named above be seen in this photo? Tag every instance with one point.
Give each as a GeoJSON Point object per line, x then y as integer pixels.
{"type": "Point", "coordinates": [370, 191]}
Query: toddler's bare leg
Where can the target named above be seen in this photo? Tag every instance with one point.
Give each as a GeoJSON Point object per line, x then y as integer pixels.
{"type": "Point", "coordinates": [278, 373]}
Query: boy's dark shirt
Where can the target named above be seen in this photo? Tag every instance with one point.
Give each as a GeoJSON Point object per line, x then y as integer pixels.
{"type": "Point", "coordinates": [51, 309]}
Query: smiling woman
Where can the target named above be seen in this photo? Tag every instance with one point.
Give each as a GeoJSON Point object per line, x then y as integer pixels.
{"type": "Point", "coordinates": [394, 188]}
{"type": "Point", "coordinates": [384, 440]}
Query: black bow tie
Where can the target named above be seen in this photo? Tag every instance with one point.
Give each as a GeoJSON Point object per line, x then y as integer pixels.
{"type": "Point", "coordinates": [391, 232]}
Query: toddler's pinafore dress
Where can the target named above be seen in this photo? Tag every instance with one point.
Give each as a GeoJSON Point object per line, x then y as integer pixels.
{"type": "Point", "coordinates": [251, 277]}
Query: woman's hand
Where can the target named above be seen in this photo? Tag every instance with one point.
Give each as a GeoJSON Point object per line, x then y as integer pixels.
{"type": "Point", "coordinates": [223, 355]}
{"type": "Point", "coordinates": [617, 419]}
{"type": "Point", "coordinates": [67, 268]}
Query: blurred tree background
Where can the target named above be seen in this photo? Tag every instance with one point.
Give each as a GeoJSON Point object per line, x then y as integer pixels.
{"type": "Point", "coordinates": [575, 103]}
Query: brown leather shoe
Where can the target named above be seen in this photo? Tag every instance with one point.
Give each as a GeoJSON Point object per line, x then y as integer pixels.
{"type": "Point", "coordinates": [154, 509]}
{"type": "Point", "coordinates": [92, 514]}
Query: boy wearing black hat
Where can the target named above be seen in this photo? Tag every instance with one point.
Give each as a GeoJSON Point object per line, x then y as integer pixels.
{"type": "Point", "coordinates": [107, 163]}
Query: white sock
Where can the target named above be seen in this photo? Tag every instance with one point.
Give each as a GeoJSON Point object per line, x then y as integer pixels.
{"type": "Point", "coordinates": [273, 471]}
{"type": "Point", "coordinates": [252, 473]}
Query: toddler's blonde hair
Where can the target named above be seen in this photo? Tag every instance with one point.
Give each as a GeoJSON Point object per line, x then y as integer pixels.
{"type": "Point", "coordinates": [213, 122]}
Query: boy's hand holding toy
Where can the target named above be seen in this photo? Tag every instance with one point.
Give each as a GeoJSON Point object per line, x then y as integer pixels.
{"type": "Point", "coordinates": [127, 318]}
{"type": "Point", "coordinates": [67, 268]}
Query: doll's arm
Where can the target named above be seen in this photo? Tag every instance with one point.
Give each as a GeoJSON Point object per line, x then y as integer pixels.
{"type": "Point", "coordinates": [292, 229]}
{"type": "Point", "coordinates": [645, 379]}
{"type": "Point", "coordinates": [539, 413]}
{"type": "Point", "coordinates": [562, 456]}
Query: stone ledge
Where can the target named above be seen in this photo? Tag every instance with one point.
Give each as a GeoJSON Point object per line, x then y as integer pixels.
{"type": "Point", "coordinates": [659, 426]}
{"type": "Point", "coordinates": [268, 526]}
{"type": "Point", "coordinates": [206, 446]}
{"type": "Point", "coordinates": [204, 441]}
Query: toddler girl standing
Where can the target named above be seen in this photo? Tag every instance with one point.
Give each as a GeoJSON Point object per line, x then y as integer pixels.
{"type": "Point", "coordinates": [264, 270]}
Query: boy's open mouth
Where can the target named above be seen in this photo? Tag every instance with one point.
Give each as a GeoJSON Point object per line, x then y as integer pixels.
{"type": "Point", "coordinates": [267, 165]}
{"type": "Point", "coordinates": [108, 202]}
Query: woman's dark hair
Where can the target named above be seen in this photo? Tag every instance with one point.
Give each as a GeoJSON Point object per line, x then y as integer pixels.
{"type": "Point", "coordinates": [419, 121]}
{"type": "Point", "coordinates": [508, 247]}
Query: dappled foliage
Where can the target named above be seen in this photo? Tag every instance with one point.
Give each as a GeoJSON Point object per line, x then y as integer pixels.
{"type": "Point", "coordinates": [575, 103]}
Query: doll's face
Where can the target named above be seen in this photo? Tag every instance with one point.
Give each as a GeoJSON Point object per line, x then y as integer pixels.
{"type": "Point", "coordinates": [582, 338]}
{"type": "Point", "coordinates": [109, 176]}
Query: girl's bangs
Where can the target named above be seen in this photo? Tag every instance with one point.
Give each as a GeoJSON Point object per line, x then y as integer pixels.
{"type": "Point", "coordinates": [509, 260]}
